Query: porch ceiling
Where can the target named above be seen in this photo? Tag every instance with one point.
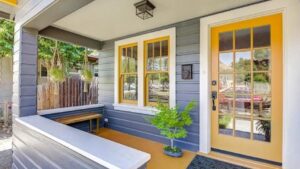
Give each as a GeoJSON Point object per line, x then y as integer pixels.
{"type": "Point", "coordinates": [104, 20]}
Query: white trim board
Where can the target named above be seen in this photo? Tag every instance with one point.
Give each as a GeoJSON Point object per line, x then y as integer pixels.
{"type": "Point", "coordinates": [291, 50]}
{"type": "Point", "coordinates": [171, 32]}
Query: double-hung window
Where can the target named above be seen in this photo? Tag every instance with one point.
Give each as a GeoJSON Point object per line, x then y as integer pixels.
{"type": "Point", "coordinates": [156, 70]}
{"type": "Point", "coordinates": [145, 71]}
{"type": "Point", "coordinates": [128, 74]}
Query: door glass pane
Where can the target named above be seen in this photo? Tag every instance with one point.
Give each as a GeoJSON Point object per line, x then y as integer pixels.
{"type": "Point", "coordinates": [242, 61]}
{"type": "Point", "coordinates": [261, 36]}
{"type": "Point", "coordinates": [226, 41]}
{"type": "Point", "coordinates": [262, 83]}
{"type": "Point", "coordinates": [226, 62]}
{"type": "Point", "coordinates": [261, 59]}
{"type": "Point", "coordinates": [226, 83]}
{"type": "Point", "coordinates": [243, 83]}
{"type": "Point", "coordinates": [158, 87]}
{"type": "Point", "coordinates": [242, 127]}
{"type": "Point", "coordinates": [243, 105]}
{"type": "Point", "coordinates": [225, 103]}
{"type": "Point", "coordinates": [226, 125]}
{"type": "Point", "coordinates": [242, 39]}
{"type": "Point", "coordinates": [130, 87]}
{"type": "Point", "coordinates": [156, 56]}
{"type": "Point", "coordinates": [262, 130]}
{"type": "Point", "coordinates": [165, 54]}
{"type": "Point", "coordinates": [262, 106]}
{"type": "Point", "coordinates": [150, 60]}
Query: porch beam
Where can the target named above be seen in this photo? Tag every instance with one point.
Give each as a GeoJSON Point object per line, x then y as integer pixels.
{"type": "Point", "coordinates": [66, 36]}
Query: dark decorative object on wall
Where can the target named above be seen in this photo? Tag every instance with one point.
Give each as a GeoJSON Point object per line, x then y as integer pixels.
{"type": "Point", "coordinates": [187, 71]}
{"type": "Point", "coordinates": [144, 9]}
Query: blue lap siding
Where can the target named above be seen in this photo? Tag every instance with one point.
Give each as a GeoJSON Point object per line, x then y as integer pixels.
{"type": "Point", "coordinates": [187, 52]}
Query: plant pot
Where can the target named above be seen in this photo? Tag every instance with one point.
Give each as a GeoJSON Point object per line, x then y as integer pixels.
{"type": "Point", "coordinates": [171, 153]}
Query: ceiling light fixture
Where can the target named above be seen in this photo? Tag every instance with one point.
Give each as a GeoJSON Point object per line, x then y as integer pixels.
{"type": "Point", "coordinates": [144, 9]}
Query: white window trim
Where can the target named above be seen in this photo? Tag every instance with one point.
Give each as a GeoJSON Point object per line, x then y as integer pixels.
{"type": "Point", "coordinates": [249, 12]}
{"type": "Point", "coordinates": [140, 107]}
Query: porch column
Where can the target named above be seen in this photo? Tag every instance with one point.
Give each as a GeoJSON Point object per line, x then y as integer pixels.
{"type": "Point", "coordinates": [24, 72]}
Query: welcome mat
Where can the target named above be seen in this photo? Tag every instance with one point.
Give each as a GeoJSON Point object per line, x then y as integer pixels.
{"type": "Point", "coordinates": [201, 162]}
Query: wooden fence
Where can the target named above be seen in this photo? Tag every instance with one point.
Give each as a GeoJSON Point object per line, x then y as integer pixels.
{"type": "Point", "coordinates": [67, 94]}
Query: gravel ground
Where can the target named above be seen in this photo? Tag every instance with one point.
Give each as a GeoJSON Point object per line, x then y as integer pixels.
{"type": "Point", "coordinates": [5, 148]}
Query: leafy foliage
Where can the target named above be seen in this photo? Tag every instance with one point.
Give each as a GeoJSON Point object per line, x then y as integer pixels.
{"type": "Point", "coordinates": [6, 38]}
{"type": "Point", "coordinates": [86, 75]}
{"type": "Point", "coordinates": [171, 122]}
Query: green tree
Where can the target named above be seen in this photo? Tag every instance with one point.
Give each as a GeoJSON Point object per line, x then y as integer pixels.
{"type": "Point", "coordinates": [6, 38]}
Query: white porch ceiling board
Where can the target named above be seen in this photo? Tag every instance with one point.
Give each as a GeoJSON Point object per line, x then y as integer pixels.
{"type": "Point", "coordinates": [109, 19]}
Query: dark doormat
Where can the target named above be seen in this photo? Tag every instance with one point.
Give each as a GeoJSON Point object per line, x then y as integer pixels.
{"type": "Point", "coordinates": [200, 162]}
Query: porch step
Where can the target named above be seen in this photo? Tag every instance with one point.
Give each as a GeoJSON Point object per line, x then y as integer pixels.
{"type": "Point", "coordinates": [240, 161]}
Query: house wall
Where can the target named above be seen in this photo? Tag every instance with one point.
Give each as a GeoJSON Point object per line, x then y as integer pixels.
{"type": "Point", "coordinates": [187, 52]}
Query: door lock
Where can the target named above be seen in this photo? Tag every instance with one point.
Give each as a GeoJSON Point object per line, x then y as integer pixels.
{"type": "Point", "coordinates": [214, 96]}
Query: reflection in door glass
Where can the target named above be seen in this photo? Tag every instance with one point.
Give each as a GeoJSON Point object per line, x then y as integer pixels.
{"type": "Point", "coordinates": [226, 83]}
{"type": "Point", "coordinates": [242, 127]}
{"type": "Point", "coordinates": [262, 130]}
{"type": "Point", "coordinates": [261, 59]}
{"type": "Point", "coordinates": [262, 83]}
{"type": "Point", "coordinates": [226, 41]}
{"type": "Point", "coordinates": [226, 125]}
{"type": "Point", "coordinates": [243, 105]}
{"type": "Point", "coordinates": [242, 61]}
{"type": "Point", "coordinates": [226, 62]}
{"type": "Point", "coordinates": [262, 106]}
{"type": "Point", "coordinates": [225, 103]}
{"type": "Point", "coordinates": [243, 83]}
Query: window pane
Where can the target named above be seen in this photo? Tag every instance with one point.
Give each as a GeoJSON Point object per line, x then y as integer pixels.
{"type": "Point", "coordinates": [225, 41]}
{"type": "Point", "coordinates": [124, 61]}
{"type": "Point", "coordinates": [150, 61]}
{"type": "Point", "coordinates": [226, 125]}
{"type": "Point", "coordinates": [133, 60]}
{"type": "Point", "coordinates": [165, 54]}
{"type": "Point", "coordinates": [262, 83]}
{"type": "Point", "coordinates": [225, 103]}
{"type": "Point", "coordinates": [130, 87]}
{"type": "Point", "coordinates": [157, 56]}
{"type": "Point", "coordinates": [243, 105]}
{"type": "Point", "coordinates": [262, 106]}
{"type": "Point", "coordinates": [158, 87]}
{"type": "Point", "coordinates": [243, 83]}
{"type": "Point", "coordinates": [242, 61]}
{"type": "Point", "coordinates": [226, 62]}
{"type": "Point", "coordinates": [242, 39]}
{"type": "Point", "coordinates": [261, 36]}
{"type": "Point", "coordinates": [242, 127]}
{"type": "Point", "coordinates": [261, 59]}
{"type": "Point", "coordinates": [226, 83]}
{"type": "Point", "coordinates": [262, 130]}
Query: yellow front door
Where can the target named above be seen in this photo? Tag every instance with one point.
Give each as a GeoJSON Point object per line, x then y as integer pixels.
{"type": "Point", "coordinates": [247, 87]}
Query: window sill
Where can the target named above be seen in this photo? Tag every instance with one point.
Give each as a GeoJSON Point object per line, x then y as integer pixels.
{"type": "Point", "coordinates": [67, 109]}
{"type": "Point", "coordinates": [135, 109]}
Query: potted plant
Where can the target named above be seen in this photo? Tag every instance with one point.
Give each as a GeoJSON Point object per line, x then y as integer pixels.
{"type": "Point", "coordinates": [171, 124]}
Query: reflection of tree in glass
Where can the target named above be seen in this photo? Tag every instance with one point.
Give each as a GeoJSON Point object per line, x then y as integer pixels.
{"type": "Point", "coordinates": [261, 59]}
{"type": "Point", "coordinates": [264, 127]}
{"type": "Point", "coordinates": [242, 64]}
{"type": "Point", "coordinates": [164, 80]}
{"type": "Point", "coordinates": [130, 80]}
{"type": "Point", "coordinates": [261, 77]}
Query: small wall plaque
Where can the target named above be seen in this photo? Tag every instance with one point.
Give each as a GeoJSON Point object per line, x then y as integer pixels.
{"type": "Point", "coordinates": [187, 71]}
